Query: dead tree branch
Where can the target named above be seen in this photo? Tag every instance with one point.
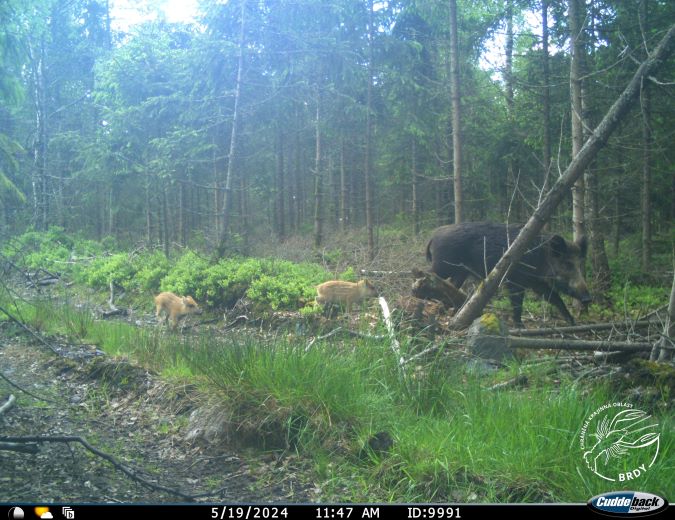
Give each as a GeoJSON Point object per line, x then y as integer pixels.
{"type": "Point", "coordinates": [12, 383]}
{"type": "Point", "coordinates": [582, 328]}
{"type": "Point", "coordinates": [69, 438]}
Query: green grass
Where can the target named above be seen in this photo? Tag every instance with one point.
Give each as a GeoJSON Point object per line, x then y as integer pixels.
{"type": "Point", "coordinates": [454, 440]}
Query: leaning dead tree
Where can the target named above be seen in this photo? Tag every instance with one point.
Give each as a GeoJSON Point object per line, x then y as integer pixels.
{"type": "Point", "coordinates": [597, 140]}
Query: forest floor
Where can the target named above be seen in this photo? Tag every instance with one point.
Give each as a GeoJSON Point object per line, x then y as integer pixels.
{"type": "Point", "coordinates": [132, 415]}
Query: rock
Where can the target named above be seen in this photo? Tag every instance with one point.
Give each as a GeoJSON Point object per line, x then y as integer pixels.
{"type": "Point", "coordinates": [488, 338]}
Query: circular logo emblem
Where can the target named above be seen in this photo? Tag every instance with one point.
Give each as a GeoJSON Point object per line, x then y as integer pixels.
{"type": "Point", "coordinates": [618, 442]}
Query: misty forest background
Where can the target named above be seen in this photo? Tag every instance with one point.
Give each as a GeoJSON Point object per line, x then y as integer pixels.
{"type": "Point", "coordinates": [271, 145]}
{"type": "Point", "coordinates": [266, 120]}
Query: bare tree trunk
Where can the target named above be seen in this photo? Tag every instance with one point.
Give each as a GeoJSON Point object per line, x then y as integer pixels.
{"type": "Point", "coordinates": [369, 136]}
{"type": "Point", "coordinates": [298, 202]}
{"type": "Point", "coordinates": [576, 17]}
{"type": "Point", "coordinates": [227, 198]}
{"type": "Point", "coordinates": [456, 113]}
{"type": "Point", "coordinates": [546, 101]}
{"type": "Point", "coordinates": [280, 187]}
{"type": "Point", "coordinates": [318, 176]}
{"type": "Point", "coordinates": [39, 172]}
{"type": "Point", "coordinates": [111, 209]}
{"type": "Point", "coordinates": [216, 190]}
{"type": "Point", "coordinates": [508, 80]}
{"type": "Point", "coordinates": [579, 163]}
{"type": "Point", "coordinates": [244, 217]}
{"type": "Point", "coordinates": [148, 211]}
{"type": "Point", "coordinates": [646, 158]}
{"type": "Point", "coordinates": [165, 222]}
{"type": "Point", "coordinates": [181, 214]}
{"type": "Point", "coordinates": [343, 187]}
{"type": "Point", "coordinates": [415, 203]}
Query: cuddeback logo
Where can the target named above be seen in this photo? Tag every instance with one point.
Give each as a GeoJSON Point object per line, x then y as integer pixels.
{"type": "Point", "coordinates": [627, 503]}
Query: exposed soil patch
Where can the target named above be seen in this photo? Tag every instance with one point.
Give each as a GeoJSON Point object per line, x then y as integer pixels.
{"type": "Point", "coordinates": [131, 415]}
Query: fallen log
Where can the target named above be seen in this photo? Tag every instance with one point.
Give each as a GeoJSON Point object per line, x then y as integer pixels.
{"type": "Point", "coordinates": [430, 286]}
{"type": "Point", "coordinates": [582, 328]}
{"type": "Point", "coordinates": [567, 344]}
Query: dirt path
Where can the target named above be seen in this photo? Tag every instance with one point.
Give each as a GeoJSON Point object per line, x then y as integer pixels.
{"type": "Point", "coordinates": [129, 414]}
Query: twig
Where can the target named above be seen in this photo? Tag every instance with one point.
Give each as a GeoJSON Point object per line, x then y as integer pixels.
{"type": "Point", "coordinates": [70, 438]}
{"type": "Point", "coordinates": [243, 317]}
{"type": "Point", "coordinates": [12, 383]}
{"type": "Point", "coordinates": [519, 380]}
{"type": "Point", "coordinates": [28, 329]}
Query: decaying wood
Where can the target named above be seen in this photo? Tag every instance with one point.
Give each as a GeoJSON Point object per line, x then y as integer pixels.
{"type": "Point", "coordinates": [430, 286]}
{"type": "Point", "coordinates": [582, 328]}
{"type": "Point", "coordinates": [424, 313]}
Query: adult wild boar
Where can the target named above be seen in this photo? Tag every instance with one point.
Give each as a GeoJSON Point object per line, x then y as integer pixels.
{"type": "Point", "coordinates": [550, 266]}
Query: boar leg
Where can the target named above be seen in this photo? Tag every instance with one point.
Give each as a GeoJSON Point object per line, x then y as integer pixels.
{"type": "Point", "coordinates": [555, 299]}
{"type": "Point", "coordinates": [516, 296]}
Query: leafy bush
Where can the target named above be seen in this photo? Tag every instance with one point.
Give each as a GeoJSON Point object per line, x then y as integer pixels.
{"type": "Point", "coordinates": [152, 267]}
{"type": "Point", "coordinates": [270, 284]}
{"type": "Point", "coordinates": [285, 285]}
{"type": "Point", "coordinates": [187, 276]}
{"type": "Point", "coordinates": [115, 268]}
{"type": "Point", "coordinates": [52, 250]}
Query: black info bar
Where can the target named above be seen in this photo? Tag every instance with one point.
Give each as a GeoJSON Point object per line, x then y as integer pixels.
{"type": "Point", "coordinates": [36, 511]}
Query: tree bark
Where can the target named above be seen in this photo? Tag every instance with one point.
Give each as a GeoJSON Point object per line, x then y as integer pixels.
{"type": "Point", "coordinates": [369, 137]}
{"type": "Point", "coordinates": [280, 187]}
{"type": "Point", "coordinates": [546, 99]}
{"type": "Point", "coordinates": [646, 159]}
{"type": "Point", "coordinates": [227, 196]}
{"type": "Point", "coordinates": [576, 16]}
{"type": "Point", "coordinates": [595, 142]}
{"type": "Point", "coordinates": [415, 203]}
{"type": "Point", "coordinates": [318, 175]}
{"type": "Point", "coordinates": [343, 187]}
{"type": "Point", "coordinates": [456, 113]}
{"type": "Point", "coordinates": [511, 185]}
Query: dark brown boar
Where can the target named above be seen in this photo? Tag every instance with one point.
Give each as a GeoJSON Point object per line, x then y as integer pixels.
{"type": "Point", "coordinates": [552, 265]}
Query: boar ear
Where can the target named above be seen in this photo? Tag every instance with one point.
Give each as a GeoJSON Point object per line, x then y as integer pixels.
{"type": "Point", "coordinates": [582, 243]}
{"type": "Point", "coordinates": [558, 245]}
